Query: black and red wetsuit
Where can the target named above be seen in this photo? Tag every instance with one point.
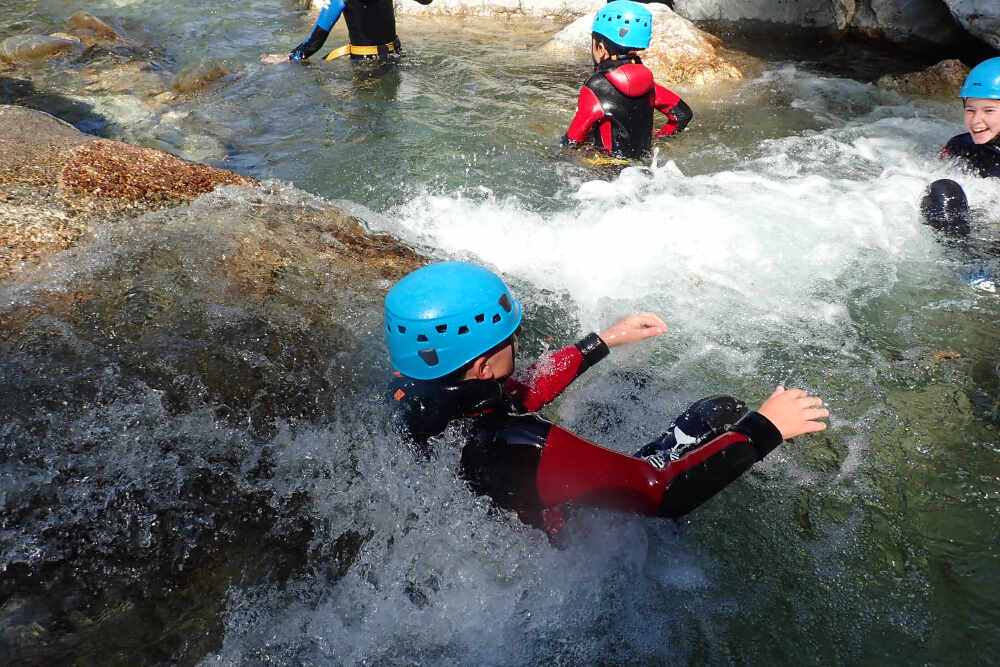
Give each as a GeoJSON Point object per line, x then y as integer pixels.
{"type": "Point", "coordinates": [528, 464]}
{"type": "Point", "coordinates": [615, 109]}
{"type": "Point", "coordinates": [980, 159]}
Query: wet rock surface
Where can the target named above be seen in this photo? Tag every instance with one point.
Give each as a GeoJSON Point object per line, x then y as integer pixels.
{"type": "Point", "coordinates": [941, 80]}
{"type": "Point", "coordinates": [219, 325]}
{"type": "Point", "coordinates": [55, 179]}
{"type": "Point", "coordinates": [26, 48]}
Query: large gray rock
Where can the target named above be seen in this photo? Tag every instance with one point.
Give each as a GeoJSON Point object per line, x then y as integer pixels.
{"type": "Point", "coordinates": [897, 20]}
{"type": "Point", "coordinates": [678, 53]}
{"type": "Point", "coordinates": [980, 17]}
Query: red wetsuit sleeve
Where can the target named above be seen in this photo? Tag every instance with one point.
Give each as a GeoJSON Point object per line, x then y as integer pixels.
{"type": "Point", "coordinates": [588, 112]}
{"type": "Point", "coordinates": [677, 111]}
{"type": "Point", "coordinates": [547, 377]}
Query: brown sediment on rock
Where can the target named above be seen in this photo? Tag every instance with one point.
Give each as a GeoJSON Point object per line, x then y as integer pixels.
{"type": "Point", "coordinates": [34, 146]}
{"type": "Point", "coordinates": [56, 183]}
{"type": "Point", "coordinates": [113, 170]}
{"type": "Point", "coordinates": [941, 80]}
{"type": "Point", "coordinates": [945, 355]}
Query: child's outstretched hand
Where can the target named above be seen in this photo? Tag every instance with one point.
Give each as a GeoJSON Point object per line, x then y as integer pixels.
{"type": "Point", "coordinates": [633, 328]}
{"type": "Point", "coordinates": [794, 412]}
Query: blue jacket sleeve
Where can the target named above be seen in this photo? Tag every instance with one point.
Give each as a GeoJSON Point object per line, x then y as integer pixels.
{"type": "Point", "coordinates": [329, 13]}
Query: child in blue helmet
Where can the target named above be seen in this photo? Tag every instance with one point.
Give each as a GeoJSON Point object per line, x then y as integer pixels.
{"type": "Point", "coordinates": [945, 205]}
{"type": "Point", "coordinates": [615, 107]}
{"type": "Point", "coordinates": [452, 336]}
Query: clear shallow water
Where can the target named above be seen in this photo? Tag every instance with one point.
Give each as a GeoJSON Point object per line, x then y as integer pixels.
{"type": "Point", "coordinates": [196, 473]}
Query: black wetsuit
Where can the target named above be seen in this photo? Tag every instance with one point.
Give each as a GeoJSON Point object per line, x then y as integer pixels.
{"type": "Point", "coordinates": [980, 159]}
{"type": "Point", "coordinates": [945, 206]}
{"type": "Point", "coordinates": [370, 23]}
{"type": "Point", "coordinates": [615, 109]}
{"type": "Point", "coordinates": [528, 464]}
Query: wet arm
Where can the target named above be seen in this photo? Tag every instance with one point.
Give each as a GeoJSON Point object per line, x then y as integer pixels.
{"type": "Point", "coordinates": [588, 112]}
{"type": "Point", "coordinates": [678, 113]}
{"type": "Point", "coordinates": [328, 15]}
{"type": "Point", "coordinates": [551, 374]}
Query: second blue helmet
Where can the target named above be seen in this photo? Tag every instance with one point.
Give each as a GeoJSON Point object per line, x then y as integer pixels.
{"type": "Point", "coordinates": [444, 315]}
{"type": "Point", "coordinates": [625, 23]}
{"type": "Point", "coordinates": [983, 81]}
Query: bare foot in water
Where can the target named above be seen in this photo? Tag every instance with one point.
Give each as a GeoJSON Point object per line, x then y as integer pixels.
{"type": "Point", "coordinates": [274, 58]}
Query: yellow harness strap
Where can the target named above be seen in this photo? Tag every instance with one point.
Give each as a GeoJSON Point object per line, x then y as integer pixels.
{"type": "Point", "coordinates": [351, 50]}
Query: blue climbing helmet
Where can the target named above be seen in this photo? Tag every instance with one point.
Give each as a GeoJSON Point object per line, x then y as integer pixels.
{"type": "Point", "coordinates": [444, 315]}
{"type": "Point", "coordinates": [625, 23]}
{"type": "Point", "coordinates": [983, 81]}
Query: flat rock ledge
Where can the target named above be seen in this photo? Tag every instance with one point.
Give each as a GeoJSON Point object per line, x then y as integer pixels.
{"type": "Point", "coordinates": [58, 184]}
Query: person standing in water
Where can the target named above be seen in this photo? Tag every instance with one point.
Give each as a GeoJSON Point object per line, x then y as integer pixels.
{"type": "Point", "coordinates": [945, 206]}
{"type": "Point", "coordinates": [452, 332]}
{"type": "Point", "coordinates": [371, 28]}
{"type": "Point", "coordinates": [615, 107]}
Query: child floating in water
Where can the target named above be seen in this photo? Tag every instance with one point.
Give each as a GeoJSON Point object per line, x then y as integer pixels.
{"type": "Point", "coordinates": [945, 206]}
{"type": "Point", "coordinates": [452, 335]}
{"type": "Point", "coordinates": [615, 108]}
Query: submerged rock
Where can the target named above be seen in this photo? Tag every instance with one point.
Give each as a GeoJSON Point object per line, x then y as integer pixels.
{"type": "Point", "coordinates": [941, 80]}
{"type": "Point", "coordinates": [137, 77]}
{"type": "Point", "coordinates": [196, 77]}
{"type": "Point", "coordinates": [678, 53]}
{"type": "Point", "coordinates": [92, 30]}
{"type": "Point", "coordinates": [24, 48]}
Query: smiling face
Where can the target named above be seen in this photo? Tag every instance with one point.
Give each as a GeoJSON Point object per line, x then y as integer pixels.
{"type": "Point", "coordinates": [982, 117]}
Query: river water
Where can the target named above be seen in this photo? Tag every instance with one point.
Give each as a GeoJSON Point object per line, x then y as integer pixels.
{"type": "Point", "coordinates": [191, 473]}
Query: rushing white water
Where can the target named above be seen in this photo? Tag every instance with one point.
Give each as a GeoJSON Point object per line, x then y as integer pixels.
{"type": "Point", "coordinates": [780, 250]}
{"type": "Point", "coordinates": [779, 237]}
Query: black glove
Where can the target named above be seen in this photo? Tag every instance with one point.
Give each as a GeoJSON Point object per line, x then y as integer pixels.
{"type": "Point", "coordinates": [310, 46]}
{"type": "Point", "coordinates": [424, 2]}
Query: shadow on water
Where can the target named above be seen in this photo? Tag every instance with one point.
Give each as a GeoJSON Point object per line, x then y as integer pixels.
{"type": "Point", "coordinates": [77, 113]}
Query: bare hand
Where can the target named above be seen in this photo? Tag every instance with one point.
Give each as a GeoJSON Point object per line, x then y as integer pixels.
{"type": "Point", "coordinates": [274, 58]}
{"type": "Point", "coordinates": [633, 328]}
{"type": "Point", "coordinates": [794, 412]}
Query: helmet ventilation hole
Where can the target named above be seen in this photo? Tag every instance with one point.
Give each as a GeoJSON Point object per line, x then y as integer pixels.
{"type": "Point", "coordinates": [441, 328]}
{"type": "Point", "coordinates": [421, 338]}
{"type": "Point", "coordinates": [496, 318]}
{"type": "Point", "coordinates": [480, 317]}
{"type": "Point", "coordinates": [463, 330]}
{"type": "Point", "coordinates": [430, 357]}
{"type": "Point", "coordinates": [401, 328]}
